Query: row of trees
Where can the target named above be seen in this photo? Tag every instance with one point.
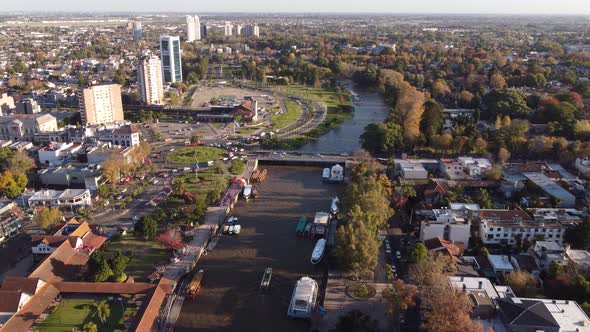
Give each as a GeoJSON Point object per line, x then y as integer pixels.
{"type": "Point", "coordinates": [367, 198]}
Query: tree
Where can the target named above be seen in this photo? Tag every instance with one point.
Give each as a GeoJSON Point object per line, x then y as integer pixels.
{"type": "Point", "coordinates": [357, 245]}
{"type": "Point", "coordinates": [90, 327]}
{"type": "Point", "coordinates": [46, 217]}
{"type": "Point", "coordinates": [382, 138]}
{"type": "Point", "coordinates": [505, 102]}
{"type": "Point", "coordinates": [497, 81]}
{"type": "Point", "coordinates": [171, 238]}
{"type": "Point", "coordinates": [503, 155]}
{"type": "Point", "coordinates": [12, 185]}
{"type": "Point", "coordinates": [178, 186]}
{"type": "Point", "coordinates": [521, 282]}
{"type": "Point", "coordinates": [19, 163]}
{"type": "Point", "coordinates": [484, 199]}
{"type": "Point", "coordinates": [195, 139]}
{"type": "Point", "coordinates": [118, 263]}
{"type": "Point", "coordinates": [399, 298]}
{"type": "Point", "coordinates": [432, 118]}
{"type": "Point", "coordinates": [579, 235]}
{"type": "Point", "coordinates": [356, 321]}
{"type": "Point", "coordinates": [495, 173]}
{"type": "Point", "coordinates": [146, 227]}
{"type": "Point", "coordinates": [418, 252]}
{"type": "Point", "coordinates": [111, 169]}
{"type": "Point", "coordinates": [103, 272]}
{"type": "Point", "coordinates": [103, 311]}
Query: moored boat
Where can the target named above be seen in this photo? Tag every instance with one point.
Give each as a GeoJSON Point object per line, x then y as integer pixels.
{"type": "Point", "coordinates": [334, 206]}
{"type": "Point", "coordinates": [301, 226]}
{"type": "Point", "coordinates": [265, 283]}
{"type": "Point", "coordinates": [247, 191]}
{"type": "Point", "coordinates": [318, 251]}
{"type": "Point", "coordinates": [304, 299]}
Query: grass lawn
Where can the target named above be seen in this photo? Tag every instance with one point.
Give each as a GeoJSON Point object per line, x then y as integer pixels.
{"type": "Point", "coordinates": [333, 100]}
{"type": "Point", "coordinates": [144, 254]}
{"type": "Point", "coordinates": [209, 179]}
{"type": "Point", "coordinates": [72, 314]}
{"type": "Point", "coordinates": [187, 155]}
{"type": "Point", "coordinates": [282, 120]}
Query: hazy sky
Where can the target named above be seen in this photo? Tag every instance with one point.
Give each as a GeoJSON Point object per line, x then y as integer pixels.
{"type": "Point", "coordinates": [372, 6]}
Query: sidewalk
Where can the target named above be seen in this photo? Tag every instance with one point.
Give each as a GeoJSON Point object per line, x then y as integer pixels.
{"type": "Point", "coordinates": [337, 303]}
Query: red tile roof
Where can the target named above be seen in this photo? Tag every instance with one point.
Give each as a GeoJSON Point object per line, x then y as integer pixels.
{"type": "Point", "coordinates": [9, 300]}
{"type": "Point", "coordinates": [27, 285]}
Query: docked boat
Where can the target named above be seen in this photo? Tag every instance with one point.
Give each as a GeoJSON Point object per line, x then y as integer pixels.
{"type": "Point", "coordinates": [337, 174]}
{"type": "Point", "coordinates": [326, 175]}
{"type": "Point", "coordinates": [265, 283]}
{"type": "Point", "coordinates": [334, 206]}
{"type": "Point", "coordinates": [318, 251]}
{"type": "Point", "coordinates": [304, 299]}
{"type": "Point", "coordinates": [307, 230]}
{"type": "Point", "coordinates": [195, 285]}
{"type": "Point", "coordinates": [247, 191]}
{"type": "Point", "coordinates": [301, 226]}
{"type": "Point", "coordinates": [320, 225]}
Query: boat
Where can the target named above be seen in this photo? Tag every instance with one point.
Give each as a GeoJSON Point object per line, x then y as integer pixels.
{"type": "Point", "coordinates": [301, 226]}
{"type": "Point", "coordinates": [307, 230]}
{"type": "Point", "coordinates": [226, 229]}
{"type": "Point", "coordinates": [318, 251]}
{"type": "Point", "coordinates": [326, 175]}
{"type": "Point", "coordinates": [262, 176]}
{"type": "Point", "coordinates": [320, 225]}
{"type": "Point", "coordinates": [247, 191]}
{"type": "Point", "coordinates": [255, 175]}
{"type": "Point", "coordinates": [334, 206]}
{"type": "Point", "coordinates": [304, 299]}
{"type": "Point", "coordinates": [337, 173]}
{"type": "Point", "coordinates": [195, 285]}
{"type": "Point", "coordinates": [254, 193]}
{"type": "Point", "coordinates": [265, 283]}
{"type": "Point", "coordinates": [234, 229]}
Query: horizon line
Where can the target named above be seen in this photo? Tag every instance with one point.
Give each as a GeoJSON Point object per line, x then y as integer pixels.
{"type": "Point", "coordinates": [164, 12]}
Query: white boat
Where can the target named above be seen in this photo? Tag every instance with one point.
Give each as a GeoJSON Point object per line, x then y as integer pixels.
{"type": "Point", "coordinates": [334, 206]}
{"type": "Point", "coordinates": [231, 229]}
{"type": "Point", "coordinates": [326, 174]}
{"type": "Point", "coordinates": [304, 298]}
{"type": "Point", "coordinates": [318, 251]}
{"type": "Point", "coordinates": [237, 229]}
{"type": "Point", "coordinates": [337, 173]}
{"type": "Point", "coordinates": [247, 191]}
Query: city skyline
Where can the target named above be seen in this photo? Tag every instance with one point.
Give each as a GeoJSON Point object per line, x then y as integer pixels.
{"type": "Point", "coordinates": [542, 7]}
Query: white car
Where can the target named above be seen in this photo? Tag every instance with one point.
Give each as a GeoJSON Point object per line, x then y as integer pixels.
{"type": "Point", "coordinates": [172, 150]}
{"type": "Point", "coordinates": [398, 255]}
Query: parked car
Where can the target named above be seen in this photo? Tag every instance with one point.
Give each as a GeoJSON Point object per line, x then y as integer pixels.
{"type": "Point", "coordinates": [398, 255]}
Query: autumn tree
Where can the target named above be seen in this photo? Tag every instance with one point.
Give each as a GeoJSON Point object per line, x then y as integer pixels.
{"type": "Point", "coordinates": [497, 81]}
{"type": "Point", "coordinates": [522, 282]}
{"type": "Point", "coordinates": [171, 238]}
{"type": "Point", "coordinates": [400, 297]}
{"type": "Point", "coordinates": [112, 169]}
{"type": "Point", "coordinates": [46, 217]}
{"type": "Point", "coordinates": [503, 155]}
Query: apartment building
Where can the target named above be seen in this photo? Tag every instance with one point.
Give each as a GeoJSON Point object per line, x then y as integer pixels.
{"type": "Point", "coordinates": [23, 127]}
{"type": "Point", "coordinates": [101, 104]}
{"type": "Point", "coordinates": [149, 74]}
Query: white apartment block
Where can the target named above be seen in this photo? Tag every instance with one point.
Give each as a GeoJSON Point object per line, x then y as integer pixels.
{"type": "Point", "coordinates": [228, 29]}
{"type": "Point", "coordinates": [68, 197]}
{"type": "Point", "coordinates": [149, 73]}
{"type": "Point", "coordinates": [506, 226]}
{"type": "Point", "coordinates": [101, 104]}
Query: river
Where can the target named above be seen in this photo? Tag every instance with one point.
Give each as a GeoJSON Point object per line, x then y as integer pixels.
{"type": "Point", "coordinates": [345, 138]}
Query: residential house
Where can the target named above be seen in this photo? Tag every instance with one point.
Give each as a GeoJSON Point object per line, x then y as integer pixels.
{"type": "Point", "coordinates": [453, 170]}
{"type": "Point", "coordinates": [533, 315]}
{"type": "Point", "coordinates": [444, 223]}
{"type": "Point", "coordinates": [547, 252]}
{"type": "Point", "coordinates": [68, 198]}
